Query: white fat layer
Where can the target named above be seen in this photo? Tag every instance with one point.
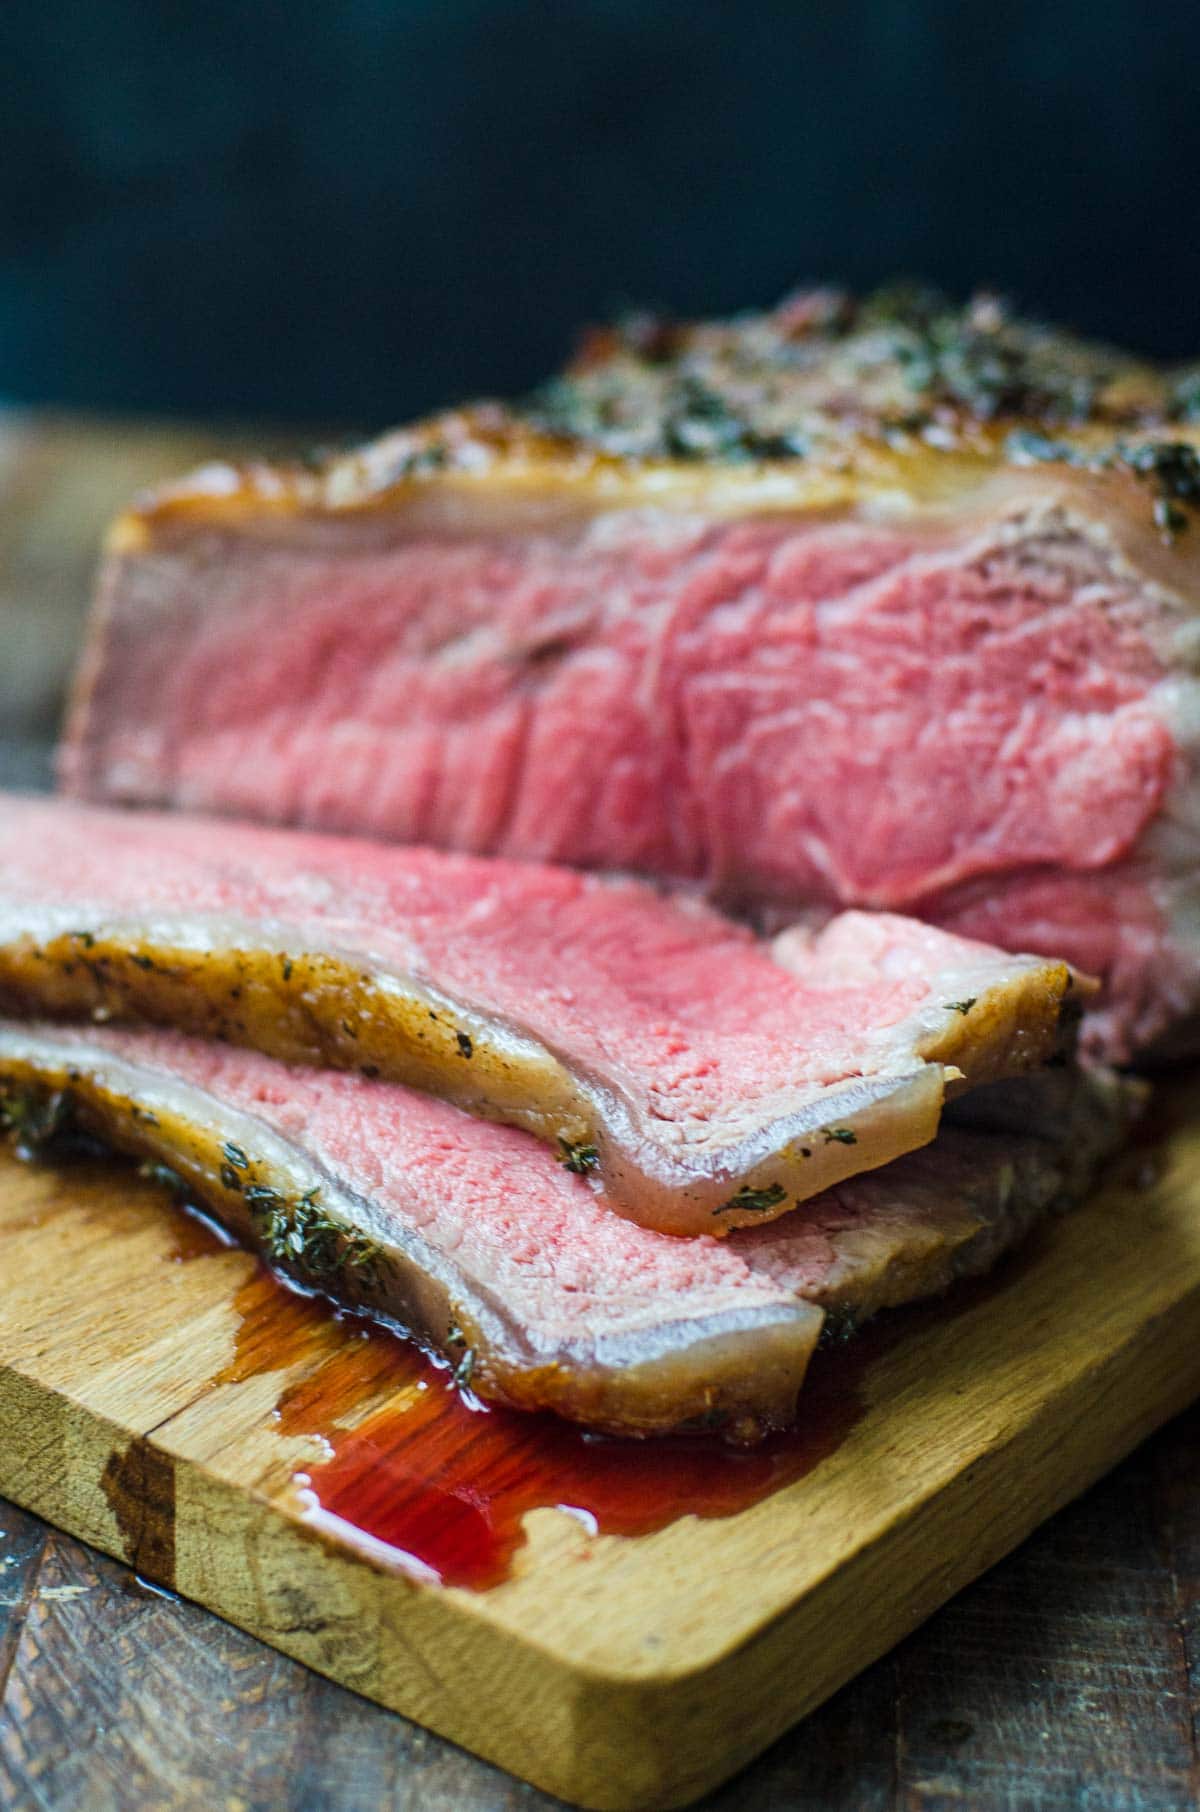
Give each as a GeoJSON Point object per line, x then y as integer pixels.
{"type": "Point", "coordinates": [636, 1329]}
{"type": "Point", "coordinates": [689, 1167]}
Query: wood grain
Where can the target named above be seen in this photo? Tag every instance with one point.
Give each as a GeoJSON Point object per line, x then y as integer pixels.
{"type": "Point", "coordinates": [218, 1720]}
{"type": "Point", "coordinates": [618, 1673]}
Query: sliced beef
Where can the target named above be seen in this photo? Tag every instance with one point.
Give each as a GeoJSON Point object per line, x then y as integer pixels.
{"type": "Point", "coordinates": [471, 1237]}
{"type": "Point", "coordinates": [889, 605]}
{"type": "Point", "coordinates": [644, 1036]}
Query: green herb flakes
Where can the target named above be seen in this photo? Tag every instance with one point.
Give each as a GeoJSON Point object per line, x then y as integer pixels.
{"type": "Point", "coordinates": [301, 1235]}
{"type": "Point", "coordinates": [163, 1175]}
{"type": "Point", "coordinates": [1172, 470]}
{"type": "Point", "coordinates": [754, 1201]}
{"type": "Point", "coordinates": [577, 1157]}
{"type": "Point", "coordinates": [37, 1118]}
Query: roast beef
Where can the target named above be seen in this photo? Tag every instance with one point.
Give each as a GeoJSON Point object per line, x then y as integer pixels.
{"type": "Point", "coordinates": [470, 1236]}
{"type": "Point", "coordinates": [890, 605]}
{"type": "Point", "coordinates": [644, 1036]}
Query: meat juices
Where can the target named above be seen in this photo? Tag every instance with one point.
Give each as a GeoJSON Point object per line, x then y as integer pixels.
{"type": "Point", "coordinates": [472, 1236]}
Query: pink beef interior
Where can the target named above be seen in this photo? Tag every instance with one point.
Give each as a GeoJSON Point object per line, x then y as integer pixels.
{"type": "Point", "coordinates": [687, 1009]}
{"type": "Point", "coordinates": [542, 1238]}
{"type": "Point", "coordinates": [536, 1238]}
{"type": "Point", "coordinates": [786, 710]}
{"type": "Point", "coordinates": [565, 1305]}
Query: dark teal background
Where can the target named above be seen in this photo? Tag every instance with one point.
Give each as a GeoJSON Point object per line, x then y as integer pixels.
{"type": "Point", "coordinates": [361, 209]}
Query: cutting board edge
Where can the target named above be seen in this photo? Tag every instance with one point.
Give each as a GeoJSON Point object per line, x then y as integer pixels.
{"type": "Point", "coordinates": [599, 1741]}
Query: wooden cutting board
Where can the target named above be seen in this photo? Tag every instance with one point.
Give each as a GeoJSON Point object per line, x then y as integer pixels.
{"type": "Point", "coordinates": [159, 1397]}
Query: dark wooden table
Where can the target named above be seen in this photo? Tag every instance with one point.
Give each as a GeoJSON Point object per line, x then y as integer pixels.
{"type": "Point", "coordinates": [1068, 1678]}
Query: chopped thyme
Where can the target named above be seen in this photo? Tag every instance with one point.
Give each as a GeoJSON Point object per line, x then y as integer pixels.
{"type": "Point", "coordinates": [464, 1371]}
{"type": "Point", "coordinates": [418, 461]}
{"type": "Point", "coordinates": [754, 1201]}
{"type": "Point", "coordinates": [839, 1326]}
{"type": "Point", "coordinates": [301, 1235]}
{"type": "Point", "coordinates": [1026, 445]}
{"type": "Point", "coordinates": [1172, 469]}
{"type": "Point", "coordinates": [961, 1006]}
{"type": "Point", "coordinates": [840, 1135]}
{"type": "Point", "coordinates": [163, 1175]}
{"type": "Point", "coordinates": [465, 1047]}
{"type": "Point", "coordinates": [293, 1232]}
{"type": "Point", "coordinates": [86, 938]}
{"type": "Point", "coordinates": [287, 968]}
{"type": "Point", "coordinates": [576, 1156]}
{"type": "Point", "coordinates": [37, 1118]}
{"type": "Point", "coordinates": [806, 379]}
{"type": "Point", "coordinates": [262, 1200]}
{"type": "Point", "coordinates": [702, 425]}
{"type": "Point", "coordinates": [45, 1125]}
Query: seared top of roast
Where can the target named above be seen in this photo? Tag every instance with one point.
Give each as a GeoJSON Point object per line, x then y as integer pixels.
{"type": "Point", "coordinates": [826, 401]}
{"type": "Point", "coordinates": [823, 367]}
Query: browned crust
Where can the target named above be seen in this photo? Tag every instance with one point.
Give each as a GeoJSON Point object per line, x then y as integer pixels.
{"type": "Point", "coordinates": [740, 1372]}
{"type": "Point", "coordinates": [822, 404]}
{"type": "Point", "coordinates": [1015, 1027]}
{"type": "Point", "coordinates": [306, 1007]}
{"type": "Point", "coordinates": [502, 462]}
{"type": "Point", "coordinates": [325, 1010]}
